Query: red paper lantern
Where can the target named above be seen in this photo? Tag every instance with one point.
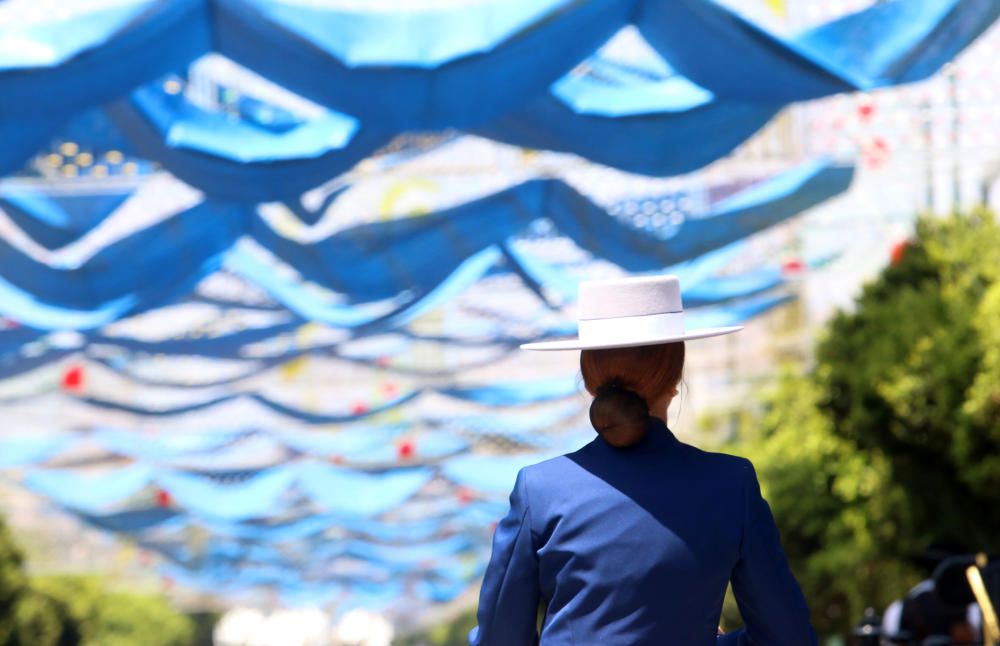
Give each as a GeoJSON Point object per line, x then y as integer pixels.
{"type": "Point", "coordinates": [865, 111]}
{"type": "Point", "coordinates": [792, 266]}
{"type": "Point", "coordinates": [390, 388]}
{"type": "Point", "coordinates": [163, 498]}
{"type": "Point", "coordinates": [72, 378]}
{"type": "Point", "coordinates": [464, 496]}
{"type": "Point", "coordinates": [405, 449]}
{"type": "Point", "coordinates": [337, 459]}
{"type": "Point", "coordinates": [359, 408]}
{"type": "Point", "coordinates": [898, 251]}
{"type": "Point", "coordinates": [382, 362]}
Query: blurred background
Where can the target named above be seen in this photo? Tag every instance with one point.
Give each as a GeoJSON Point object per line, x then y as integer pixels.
{"type": "Point", "coordinates": [265, 265]}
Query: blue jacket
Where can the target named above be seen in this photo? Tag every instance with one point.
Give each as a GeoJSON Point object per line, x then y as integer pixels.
{"type": "Point", "coordinates": [628, 547]}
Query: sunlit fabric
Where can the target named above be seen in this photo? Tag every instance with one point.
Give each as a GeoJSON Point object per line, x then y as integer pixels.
{"type": "Point", "coordinates": [164, 261]}
{"type": "Point", "coordinates": [493, 395]}
{"type": "Point", "coordinates": [236, 159]}
{"type": "Point", "coordinates": [255, 497]}
{"type": "Point", "coordinates": [890, 42]}
{"type": "Point", "coordinates": [190, 246]}
{"type": "Point", "coordinates": [23, 449]}
{"type": "Point", "coordinates": [92, 492]}
{"type": "Point", "coordinates": [493, 474]}
{"type": "Point", "coordinates": [357, 493]}
{"type": "Point", "coordinates": [54, 220]}
{"type": "Point", "coordinates": [57, 68]}
{"type": "Point", "coordinates": [132, 520]}
{"type": "Point", "coordinates": [221, 346]}
{"type": "Point", "coordinates": [304, 416]}
{"type": "Point", "coordinates": [36, 44]}
{"type": "Point", "coordinates": [511, 393]}
{"type": "Point", "coordinates": [355, 261]}
{"type": "Point", "coordinates": [701, 288]}
{"type": "Point", "coordinates": [642, 119]}
{"type": "Point", "coordinates": [160, 446]}
{"type": "Point", "coordinates": [307, 305]}
{"type": "Point", "coordinates": [408, 555]}
{"type": "Point", "coordinates": [737, 313]}
{"type": "Point", "coordinates": [467, 66]}
{"type": "Point", "coordinates": [445, 68]}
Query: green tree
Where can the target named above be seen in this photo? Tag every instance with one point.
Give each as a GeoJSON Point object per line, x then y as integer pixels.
{"type": "Point", "coordinates": [835, 506]}
{"type": "Point", "coordinates": [891, 442]}
{"type": "Point", "coordinates": [80, 610]}
{"type": "Point", "coordinates": [912, 374]}
{"type": "Point", "coordinates": [13, 583]}
{"type": "Point", "coordinates": [109, 618]}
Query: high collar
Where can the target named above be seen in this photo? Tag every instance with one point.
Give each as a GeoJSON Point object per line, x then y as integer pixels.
{"type": "Point", "coordinates": [657, 437]}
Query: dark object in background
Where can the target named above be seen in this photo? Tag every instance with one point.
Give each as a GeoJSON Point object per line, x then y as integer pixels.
{"type": "Point", "coordinates": [868, 632]}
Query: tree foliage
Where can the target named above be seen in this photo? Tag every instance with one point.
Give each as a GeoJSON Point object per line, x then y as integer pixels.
{"type": "Point", "coordinates": [892, 442]}
{"type": "Point", "coordinates": [914, 374]}
{"type": "Point", "coordinates": [79, 610]}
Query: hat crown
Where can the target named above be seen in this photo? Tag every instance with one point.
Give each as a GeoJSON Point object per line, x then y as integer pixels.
{"type": "Point", "coordinates": [624, 297]}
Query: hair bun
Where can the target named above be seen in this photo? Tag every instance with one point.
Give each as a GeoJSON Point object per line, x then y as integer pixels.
{"type": "Point", "coordinates": [620, 415]}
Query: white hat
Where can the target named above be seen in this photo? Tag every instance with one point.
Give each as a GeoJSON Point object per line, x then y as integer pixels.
{"type": "Point", "coordinates": [625, 312]}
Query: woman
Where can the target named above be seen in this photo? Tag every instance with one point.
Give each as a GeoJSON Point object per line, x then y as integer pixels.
{"type": "Point", "coordinates": [633, 539]}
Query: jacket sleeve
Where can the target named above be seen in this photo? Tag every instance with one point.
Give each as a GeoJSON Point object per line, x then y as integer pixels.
{"type": "Point", "coordinates": [508, 600]}
{"type": "Point", "coordinates": [773, 608]}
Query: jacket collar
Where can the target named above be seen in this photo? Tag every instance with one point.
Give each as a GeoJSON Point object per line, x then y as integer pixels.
{"type": "Point", "coordinates": [658, 437]}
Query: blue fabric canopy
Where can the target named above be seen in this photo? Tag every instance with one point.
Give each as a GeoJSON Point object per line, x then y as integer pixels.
{"type": "Point", "coordinates": [66, 66]}
{"type": "Point", "coordinates": [161, 446]}
{"type": "Point", "coordinates": [357, 493]}
{"type": "Point", "coordinates": [380, 259]}
{"type": "Point", "coordinates": [23, 138]}
{"type": "Point", "coordinates": [20, 450]}
{"type": "Point", "coordinates": [256, 497]}
{"type": "Point", "coordinates": [347, 443]}
{"type": "Point", "coordinates": [526, 392]}
{"type": "Point", "coordinates": [222, 346]}
{"type": "Point", "coordinates": [700, 287]}
{"type": "Point", "coordinates": [409, 555]}
{"type": "Point", "coordinates": [493, 474]}
{"type": "Point", "coordinates": [238, 160]}
{"type": "Point", "coordinates": [891, 42]}
{"type": "Point", "coordinates": [144, 270]}
{"type": "Point", "coordinates": [446, 68]}
{"type": "Point", "coordinates": [300, 415]}
{"type": "Point", "coordinates": [307, 305]}
{"type": "Point", "coordinates": [131, 521]}
{"type": "Point", "coordinates": [510, 394]}
{"type": "Point", "coordinates": [638, 119]}
{"type": "Point", "coordinates": [460, 67]}
{"type": "Point", "coordinates": [737, 313]}
{"type": "Point", "coordinates": [54, 220]}
{"type": "Point", "coordinates": [90, 492]}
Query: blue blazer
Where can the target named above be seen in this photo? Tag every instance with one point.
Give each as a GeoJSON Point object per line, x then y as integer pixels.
{"type": "Point", "coordinates": [628, 547]}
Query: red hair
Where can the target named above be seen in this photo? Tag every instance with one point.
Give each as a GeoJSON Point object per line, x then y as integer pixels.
{"type": "Point", "coordinates": [625, 382]}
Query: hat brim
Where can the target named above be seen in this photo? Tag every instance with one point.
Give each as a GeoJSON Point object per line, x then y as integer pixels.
{"type": "Point", "coordinates": [577, 344]}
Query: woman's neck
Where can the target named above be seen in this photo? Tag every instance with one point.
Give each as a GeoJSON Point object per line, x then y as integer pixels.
{"type": "Point", "coordinates": [659, 409]}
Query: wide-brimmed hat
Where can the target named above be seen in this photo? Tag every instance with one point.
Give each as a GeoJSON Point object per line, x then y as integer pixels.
{"type": "Point", "coordinates": [626, 312]}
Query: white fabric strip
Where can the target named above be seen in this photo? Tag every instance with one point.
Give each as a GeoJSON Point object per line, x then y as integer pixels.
{"type": "Point", "coordinates": [614, 330]}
